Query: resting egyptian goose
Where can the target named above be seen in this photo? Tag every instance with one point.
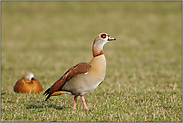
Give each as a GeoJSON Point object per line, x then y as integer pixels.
{"type": "Point", "coordinates": [84, 77]}
{"type": "Point", "coordinates": [28, 84]}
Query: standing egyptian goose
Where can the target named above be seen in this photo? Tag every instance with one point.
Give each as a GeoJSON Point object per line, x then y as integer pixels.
{"type": "Point", "coordinates": [83, 77]}
{"type": "Point", "coordinates": [28, 84]}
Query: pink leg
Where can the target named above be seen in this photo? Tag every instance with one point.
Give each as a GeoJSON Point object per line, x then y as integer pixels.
{"type": "Point", "coordinates": [84, 103]}
{"type": "Point", "coordinates": [74, 104]}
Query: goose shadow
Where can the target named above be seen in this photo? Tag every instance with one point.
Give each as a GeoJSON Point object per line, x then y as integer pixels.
{"type": "Point", "coordinates": [45, 105]}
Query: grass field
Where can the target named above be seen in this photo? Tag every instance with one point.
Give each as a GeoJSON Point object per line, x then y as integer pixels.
{"type": "Point", "coordinates": [144, 72]}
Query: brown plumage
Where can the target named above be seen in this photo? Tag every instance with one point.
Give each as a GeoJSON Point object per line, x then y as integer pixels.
{"type": "Point", "coordinates": [28, 84]}
{"type": "Point", "coordinates": [83, 77]}
{"type": "Point", "coordinates": [56, 88]}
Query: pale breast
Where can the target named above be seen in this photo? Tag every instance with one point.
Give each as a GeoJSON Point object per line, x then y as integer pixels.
{"type": "Point", "coordinates": [90, 80]}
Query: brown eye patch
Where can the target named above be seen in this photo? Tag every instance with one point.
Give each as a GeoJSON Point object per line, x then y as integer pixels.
{"type": "Point", "coordinates": [103, 36]}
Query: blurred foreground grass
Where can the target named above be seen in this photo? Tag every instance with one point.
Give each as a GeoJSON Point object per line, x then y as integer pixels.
{"type": "Point", "coordinates": [143, 80]}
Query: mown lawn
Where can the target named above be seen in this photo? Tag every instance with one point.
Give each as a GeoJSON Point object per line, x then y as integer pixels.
{"type": "Point", "coordinates": [144, 72]}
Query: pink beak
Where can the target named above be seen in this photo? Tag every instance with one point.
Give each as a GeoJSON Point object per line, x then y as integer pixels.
{"type": "Point", "coordinates": [111, 39]}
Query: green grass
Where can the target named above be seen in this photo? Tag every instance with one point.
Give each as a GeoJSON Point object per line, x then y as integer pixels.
{"type": "Point", "coordinates": [143, 80]}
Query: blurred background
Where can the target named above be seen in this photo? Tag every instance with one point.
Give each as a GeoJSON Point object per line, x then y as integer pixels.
{"type": "Point", "coordinates": [46, 37]}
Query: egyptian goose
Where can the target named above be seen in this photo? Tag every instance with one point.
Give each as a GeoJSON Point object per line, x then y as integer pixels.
{"type": "Point", "coordinates": [83, 77]}
{"type": "Point", "coordinates": [28, 84]}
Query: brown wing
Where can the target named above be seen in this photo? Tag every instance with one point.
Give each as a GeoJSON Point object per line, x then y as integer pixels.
{"type": "Point", "coordinates": [18, 85]}
{"type": "Point", "coordinates": [73, 71]}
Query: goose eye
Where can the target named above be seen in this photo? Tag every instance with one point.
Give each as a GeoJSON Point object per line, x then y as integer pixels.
{"type": "Point", "coordinates": [103, 36]}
